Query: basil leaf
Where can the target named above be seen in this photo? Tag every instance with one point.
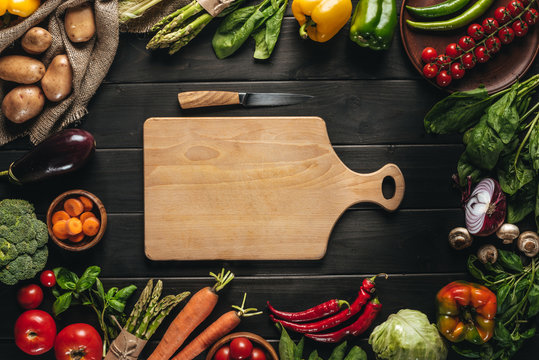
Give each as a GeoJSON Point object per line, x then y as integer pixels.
{"type": "Point", "coordinates": [501, 298]}
{"type": "Point", "coordinates": [87, 280]}
{"type": "Point", "coordinates": [501, 334]}
{"type": "Point", "coordinates": [55, 292]}
{"type": "Point", "coordinates": [533, 299]}
{"type": "Point", "coordinates": [61, 304]}
{"type": "Point", "coordinates": [100, 289]}
{"type": "Point", "coordinates": [356, 353]}
{"type": "Point", "coordinates": [474, 270]}
{"type": "Point", "coordinates": [510, 260]}
{"type": "Point", "coordinates": [314, 355]}
{"type": "Point", "coordinates": [457, 112]}
{"type": "Point", "coordinates": [117, 305]}
{"type": "Point", "coordinates": [286, 346]}
{"type": "Point", "coordinates": [521, 203]}
{"type": "Point", "coordinates": [339, 352]}
{"type": "Point", "coordinates": [537, 208]}
{"type": "Point", "coordinates": [110, 294]}
{"type": "Point", "coordinates": [65, 279]}
{"type": "Point", "coordinates": [124, 294]}
{"type": "Point", "coordinates": [528, 333]}
{"type": "Point", "coordinates": [503, 116]}
{"type": "Point", "coordinates": [298, 351]}
{"type": "Point", "coordinates": [484, 146]}
{"type": "Point", "coordinates": [469, 353]}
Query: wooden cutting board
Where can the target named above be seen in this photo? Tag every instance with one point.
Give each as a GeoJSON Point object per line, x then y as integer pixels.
{"type": "Point", "coordinates": [256, 188]}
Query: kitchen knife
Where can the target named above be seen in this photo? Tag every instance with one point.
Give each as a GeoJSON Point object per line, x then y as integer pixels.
{"type": "Point", "coordinates": [196, 99]}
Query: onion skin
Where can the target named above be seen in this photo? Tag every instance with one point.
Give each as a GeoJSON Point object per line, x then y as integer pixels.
{"type": "Point", "coordinates": [61, 153]}
{"type": "Point", "coordinates": [485, 208]}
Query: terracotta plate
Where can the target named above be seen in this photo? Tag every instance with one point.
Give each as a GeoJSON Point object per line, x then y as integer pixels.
{"type": "Point", "coordinates": [502, 70]}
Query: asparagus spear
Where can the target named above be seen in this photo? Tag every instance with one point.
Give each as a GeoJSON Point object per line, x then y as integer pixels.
{"type": "Point", "coordinates": [139, 307]}
{"type": "Point", "coordinates": [163, 312]}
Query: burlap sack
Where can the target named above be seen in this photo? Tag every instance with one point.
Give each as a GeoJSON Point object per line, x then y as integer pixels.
{"type": "Point", "coordinates": [90, 61]}
{"type": "Point", "coordinates": [125, 347]}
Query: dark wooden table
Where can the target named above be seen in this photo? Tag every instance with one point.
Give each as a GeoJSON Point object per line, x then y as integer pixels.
{"type": "Point", "coordinates": [373, 104]}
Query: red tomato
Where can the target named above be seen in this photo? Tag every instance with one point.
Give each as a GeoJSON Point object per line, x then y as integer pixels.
{"type": "Point", "coordinates": [240, 348]}
{"type": "Point", "coordinates": [466, 43]}
{"type": "Point", "coordinates": [223, 353]}
{"type": "Point", "coordinates": [428, 55]}
{"type": "Point", "coordinates": [30, 296]}
{"type": "Point", "coordinates": [493, 44]}
{"type": "Point", "coordinates": [457, 71]}
{"type": "Point", "coordinates": [520, 28]}
{"type": "Point", "coordinates": [443, 79]}
{"type": "Point", "coordinates": [47, 278]}
{"type": "Point", "coordinates": [481, 54]}
{"type": "Point", "coordinates": [430, 70]}
{"type": "Point", "coordinates": [502, 15]}
{"type": "Point", "coordinates": [34, 332]}
{"type": "Point", "coordinates": [443, 61]}
{"type": "Point", "coordinates": [468, 61]}
{"type": "Point", "coordinates": [476, 31]}
{"type": "Point", "coordinates": [452, 50]}
{"type": "Point", "coordinates": [506, 35]}
{"type": "Point", "coordinates": [531, 16]}
{"type": "Point", "coordinates": [258, 354]}
{"type": "Point", "coordinates": [78, 342]}
{"type": "Point", "coordinates": [515, 7]}
{"type": "Point", "coordinates": [490, 25]}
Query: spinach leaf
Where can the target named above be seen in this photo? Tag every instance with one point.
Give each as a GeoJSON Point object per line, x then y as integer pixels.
{"type": "Point", "coordinates": [457, 112]}
{"type": "Point", "coordinates": [521, 203]}
{"type": "Point", "coordinates": [503, 116]}
{"type": "Point", "coordinates": [465, 169]}
{"type": "Point", "coordinates": [537, 208]}
{"type": "Point", "coordinates": [534, 148]}
{"type": "Point", "coordinates": [484, 146]}
{"type": "Point", "coordinates": [513, 178]}
{"type": "Point", "coordinates": [61, 303]}
{"type": "Point", "coordinates": [267, 36]}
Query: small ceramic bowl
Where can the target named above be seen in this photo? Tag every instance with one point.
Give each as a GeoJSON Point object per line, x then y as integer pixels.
{"type": "Point", "coordinates": [255, 339]}
{"type": "Point", "coordinates": [98, 210]}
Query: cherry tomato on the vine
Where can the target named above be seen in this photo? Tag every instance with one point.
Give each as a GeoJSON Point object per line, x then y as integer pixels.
{"type": "Point", "coordinates": [443, 79]}
{"type": "Point", "coordinates": [490, 25]}
{"type": "Point", "coordinates": [493, 44]}
{"type": "Point", "coordinates": [468, 61]}
{"type": "Point", "coordinates": [476, 32]}
{"type": "Point", "coordinates": [530, 17]}
{"type": "Point", "coordinates": [515, 7]}
{"type": "Point", "coordinates": [453, 50]}
{"type": "Point", "coordinates": [481, 54]}
{"type": "Point", "coordinates": [47, 278]}
{"type": "Point", "coordinates": [223, 353]}
{"type": "Point", "coordinates": [506, 35]}
{"type": "Point", "coordinates": [240, 348]}
{"type": "Point", "coordinates": [502, 15]}
{"type": "Point", "coordinates": [430, 70]}
{"type": "Point", "coordinates": [258, 354]}
{"type": "Point", "coordinates": [457, 71]}
{"type": "Point", "coordinates": [520, 28]}
{"type": "Point", "coordinates": [428, 55]}
{"type": "Point", "coordinates": [466, 43]}
{"type": "Point", "coordinates": [443, 61]}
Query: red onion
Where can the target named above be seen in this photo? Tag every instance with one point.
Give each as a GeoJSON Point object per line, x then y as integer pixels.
{"type": "Point", "coordinates": [485, 208]}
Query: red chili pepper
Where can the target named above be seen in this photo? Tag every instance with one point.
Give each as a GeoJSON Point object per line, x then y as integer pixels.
{"type": "Point", "coordinates": [327, 308]}
{"type": "Point", "coordinates": [358, 327]}
{"type": "Point", "coordinates": [333, 321]}
{"type": "Point", "coordinates": [317, 312]}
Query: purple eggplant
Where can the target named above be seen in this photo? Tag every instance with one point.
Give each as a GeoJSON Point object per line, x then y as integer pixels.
{"type": "Point", "coordinates": [61, 153]}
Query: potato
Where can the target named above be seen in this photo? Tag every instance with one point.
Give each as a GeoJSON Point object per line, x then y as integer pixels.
{"type": "Point", "coordinates": [58, 79]}
{"type": "Point", "coordinates": [80, 23]}
{"type": "Point", "coordinates": [36, 40]}
{"type": "Point", "coordinates": [21, 69]}
{"type": "Point", "coordinates": [23, 103]}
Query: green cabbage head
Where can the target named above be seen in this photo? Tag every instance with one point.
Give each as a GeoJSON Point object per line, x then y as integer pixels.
{"type": "Point", "coordinates": [408, 335]}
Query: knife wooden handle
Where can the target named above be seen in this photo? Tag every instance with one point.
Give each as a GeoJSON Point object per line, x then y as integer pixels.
{"type": "Point", "coordinates": [195, 99]}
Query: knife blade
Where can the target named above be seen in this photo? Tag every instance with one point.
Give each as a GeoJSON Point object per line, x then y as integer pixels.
{"type": "Point", "coordinates": [196, 99]}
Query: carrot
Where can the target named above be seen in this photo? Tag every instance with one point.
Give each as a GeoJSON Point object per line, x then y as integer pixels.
{"type": "Point", "coordinates": [73, 207]}
{"type": "Point", "coordinates": [59, 215]}
{"type": "Point", "coordinates": [86, 215]}
{"type": "Point", "coordinates": [87, 203]}
{"type": "Point", "coordinates": [90, 226]}
{"type": "Point", "coordinates": [74, 226]}
{"type": "Point", "coordinates": [222, 326]}
{"type": "Point", "coordinates": [194, 312]}
{"type": "Point", "coordinates": [76, 238]}
{"type": "Point", "coordinates": [60, 229]}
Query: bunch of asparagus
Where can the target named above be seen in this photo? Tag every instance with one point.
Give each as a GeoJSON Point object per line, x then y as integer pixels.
{"type": "Point", "coordinates": [149, 312]}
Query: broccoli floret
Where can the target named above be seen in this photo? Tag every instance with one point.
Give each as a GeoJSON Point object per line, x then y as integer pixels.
{"type": "Point", "coordinates": [23, 240]}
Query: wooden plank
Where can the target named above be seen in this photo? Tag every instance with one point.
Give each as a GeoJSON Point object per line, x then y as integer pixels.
{"type": "Point", "coordinates": [115, 176]}
{"type": "Point", "coordinates": [289, 293]}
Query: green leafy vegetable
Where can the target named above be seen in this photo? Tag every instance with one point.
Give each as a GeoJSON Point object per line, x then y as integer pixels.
{"type": "Point", "coordinates": [268, 34]}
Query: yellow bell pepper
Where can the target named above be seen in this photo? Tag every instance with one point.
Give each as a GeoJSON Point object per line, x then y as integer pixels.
{"type": "Point", "coordinates": [22, 8]}
{"type": "Point", "coordinates": [320, 20]}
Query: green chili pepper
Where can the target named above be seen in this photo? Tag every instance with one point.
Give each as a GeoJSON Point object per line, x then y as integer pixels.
{"type": "Point", "coordinates": [475, 11]}
{"type": "Point", "coordinates": [386, 25]}
{"type": "Point", "coordinates": [373, 23]}
{"type": "Point", "coordinates": [442, 9]}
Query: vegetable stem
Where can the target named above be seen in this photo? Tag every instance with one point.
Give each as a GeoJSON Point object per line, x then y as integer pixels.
{"type": "Point", "coordinates": [303, 29]}
{"type": "Point", "coordinates": [4, 173]}
{"type": "Point", "coordinates": [534, 121]}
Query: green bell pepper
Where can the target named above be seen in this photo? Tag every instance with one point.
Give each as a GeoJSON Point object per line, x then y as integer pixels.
{"type": "Point", "coordinates": [374, 23]}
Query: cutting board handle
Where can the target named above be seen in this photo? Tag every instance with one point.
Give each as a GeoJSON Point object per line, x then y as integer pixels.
{"type": "Point", "coordinates": [368, 187]}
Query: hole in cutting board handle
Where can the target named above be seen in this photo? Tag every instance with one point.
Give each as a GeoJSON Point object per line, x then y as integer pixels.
{"type": "Point", "coordinates": [388, 187]}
